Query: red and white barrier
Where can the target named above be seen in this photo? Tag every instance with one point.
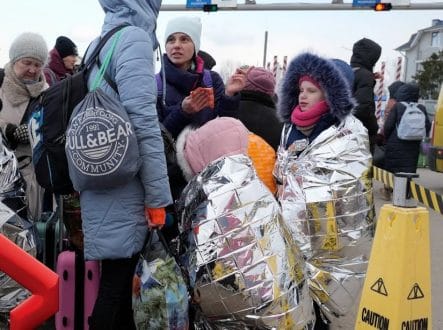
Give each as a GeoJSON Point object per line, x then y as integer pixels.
{"type": "Point", "coordinates": [285, 64]}
{"type": "Point", "coordinates": [380, 91]}
{"type": "Point", "coordinates": [398, 69]}
{"type": "Point", "coordinates": [275, 66]}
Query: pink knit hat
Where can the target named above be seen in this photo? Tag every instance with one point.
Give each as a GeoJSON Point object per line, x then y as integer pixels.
{"type": "Point", "coordinates": [223, 136]}
{"type": "Point", "coordinates": [310, 79]}
{"type": "Point", "coordinates": [260, 80]}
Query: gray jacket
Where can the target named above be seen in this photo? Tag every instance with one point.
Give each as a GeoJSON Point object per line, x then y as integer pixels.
{"type": "Point", "coordinates": [113, 220]}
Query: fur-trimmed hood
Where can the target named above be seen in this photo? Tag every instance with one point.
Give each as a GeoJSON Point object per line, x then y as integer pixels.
{"type": "Point", "coordinates": [180, 147]}
{"type": "Point", "coordinates": [331, 80]}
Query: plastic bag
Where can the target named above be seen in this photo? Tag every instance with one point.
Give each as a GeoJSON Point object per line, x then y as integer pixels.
{"type": "Point", "coordinates": [160, 296]}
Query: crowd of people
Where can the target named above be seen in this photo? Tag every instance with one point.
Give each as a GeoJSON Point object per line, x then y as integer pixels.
{"type": "Point", "coordinates": [209, 150]}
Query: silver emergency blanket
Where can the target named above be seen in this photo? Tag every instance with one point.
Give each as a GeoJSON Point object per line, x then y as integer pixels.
{"type": "Point", "coordinates": [327, 202]}
{"type": "Point", "coordinates": [13, 226]}
{"type": "Point", "coordinates": [244, 268]}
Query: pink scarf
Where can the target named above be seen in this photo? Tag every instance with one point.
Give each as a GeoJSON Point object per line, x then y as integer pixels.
{"type": "Point", "coordinates": [310, 116]}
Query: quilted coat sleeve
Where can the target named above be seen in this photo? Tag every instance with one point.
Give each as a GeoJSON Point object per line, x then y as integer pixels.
{"type": "Point", "coordinates": [134, 76]}
{"type": "Point", "coordinates": [173, 117]}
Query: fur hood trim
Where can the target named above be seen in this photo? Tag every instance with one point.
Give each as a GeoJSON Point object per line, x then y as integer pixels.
{"type": "Point", "coordinates": [329, 77]}
{"type": "Point", "coordinates": [180, 147]}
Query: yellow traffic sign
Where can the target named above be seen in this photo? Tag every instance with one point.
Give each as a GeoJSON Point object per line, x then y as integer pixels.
{"type": "Point", "coordinates": [397, 290]}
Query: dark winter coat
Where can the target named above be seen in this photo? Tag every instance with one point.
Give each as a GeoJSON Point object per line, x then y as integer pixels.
{"type": "Point", "coordinates": [401, 155]}
{"type": "Point", "coordinates": [365, 53]}
{"type": "Point", "coordinates": [179, 85]}
{"type": "Point", "coordinates": [257, 112]}
{"type": "Point", "coordinates": [331, 81]}
{"type": "Point", "coordinates": [55, 69]}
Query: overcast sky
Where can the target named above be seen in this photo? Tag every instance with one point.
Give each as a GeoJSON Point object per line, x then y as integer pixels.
{"type": "Point", "coordinates": [230, 36]}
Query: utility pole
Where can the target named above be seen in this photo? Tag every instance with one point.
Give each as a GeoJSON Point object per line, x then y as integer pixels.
{"type": "Point", "coordinates": [265, 49]}
{"type": "Point", "coordinates": [306, 6]}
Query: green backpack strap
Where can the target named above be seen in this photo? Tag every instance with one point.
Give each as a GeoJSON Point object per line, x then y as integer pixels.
{"type": "Point", "coordinates": [100, 75]}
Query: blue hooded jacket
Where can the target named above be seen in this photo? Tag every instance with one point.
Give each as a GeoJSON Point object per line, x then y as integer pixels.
{"type": "Point", "coordinates": [113, 220]}
{"type": "Point", "coordinates": [332, 80]}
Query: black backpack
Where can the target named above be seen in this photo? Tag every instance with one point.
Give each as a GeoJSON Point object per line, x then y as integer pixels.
{"type": "Point", "coordinates": [49, 119]}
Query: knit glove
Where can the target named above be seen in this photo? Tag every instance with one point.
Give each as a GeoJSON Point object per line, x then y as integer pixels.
{"type": "Point", "coordinates": [21, 134]}
{"type": "Point", "coordinates": [155, 216]}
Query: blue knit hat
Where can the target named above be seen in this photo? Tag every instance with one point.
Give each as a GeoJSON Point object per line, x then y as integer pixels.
{"type": "Point", "coordinates": [345, 70]}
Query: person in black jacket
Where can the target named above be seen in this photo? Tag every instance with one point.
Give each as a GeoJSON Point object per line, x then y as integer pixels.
{"type": "Point", "coordinates": [381, 140]}
{"type": "Point", "coordinates": [257, 106]}
{"type": "Point", "coordinates": [393, 89]}
{"type": "Point", "coordinates": [365, 53]}
{"type": "Point", "coordinates": [401, 155]}
{"type": "Point", "coordinates": [380, 149]}
{"type": "Point", "coordinates": [62, 59]}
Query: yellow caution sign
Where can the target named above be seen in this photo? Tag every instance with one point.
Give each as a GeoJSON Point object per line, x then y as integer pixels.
{"type": "Point", "coordinates": [397, 289]}
{"type": "Point", "coordinates": [331, 239]}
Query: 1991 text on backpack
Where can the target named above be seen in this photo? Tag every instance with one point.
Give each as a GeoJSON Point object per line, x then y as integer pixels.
{"type": "Point", "coordinates": [49, 119]}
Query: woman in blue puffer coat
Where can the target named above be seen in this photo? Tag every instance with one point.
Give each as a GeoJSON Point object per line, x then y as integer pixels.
{"type": "Point", "coordinates": [114, 220]}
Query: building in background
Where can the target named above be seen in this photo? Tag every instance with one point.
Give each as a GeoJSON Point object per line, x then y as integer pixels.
{"type": "Point", "coordinates": [420, 46]}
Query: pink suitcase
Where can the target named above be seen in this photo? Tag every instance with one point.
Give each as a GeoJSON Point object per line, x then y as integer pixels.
{"type": "Point", "coordinates": [79, 282]}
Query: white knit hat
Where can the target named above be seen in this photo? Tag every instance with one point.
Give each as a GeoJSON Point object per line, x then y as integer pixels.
{"type": "Point", "coordinates": [189, 25]}
{"type": "Point", "coordinates": [28, 44]}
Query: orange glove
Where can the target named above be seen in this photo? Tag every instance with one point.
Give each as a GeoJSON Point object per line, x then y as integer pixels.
{"type": "Point", "coordinates": [155, 216]}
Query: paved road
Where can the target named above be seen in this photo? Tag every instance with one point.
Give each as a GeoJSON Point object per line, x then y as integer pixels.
{"type": "Point", "coordinates": [433, 181]}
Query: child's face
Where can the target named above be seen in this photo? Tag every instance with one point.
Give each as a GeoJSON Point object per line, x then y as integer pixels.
{"type": "Point", "coordinates": [309, 95]}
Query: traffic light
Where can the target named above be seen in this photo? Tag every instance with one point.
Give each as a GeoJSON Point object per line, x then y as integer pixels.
{"type": "Point", "coordinates": [383, 6]}
{"type": "Point", "coordinates": [210, 8]}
